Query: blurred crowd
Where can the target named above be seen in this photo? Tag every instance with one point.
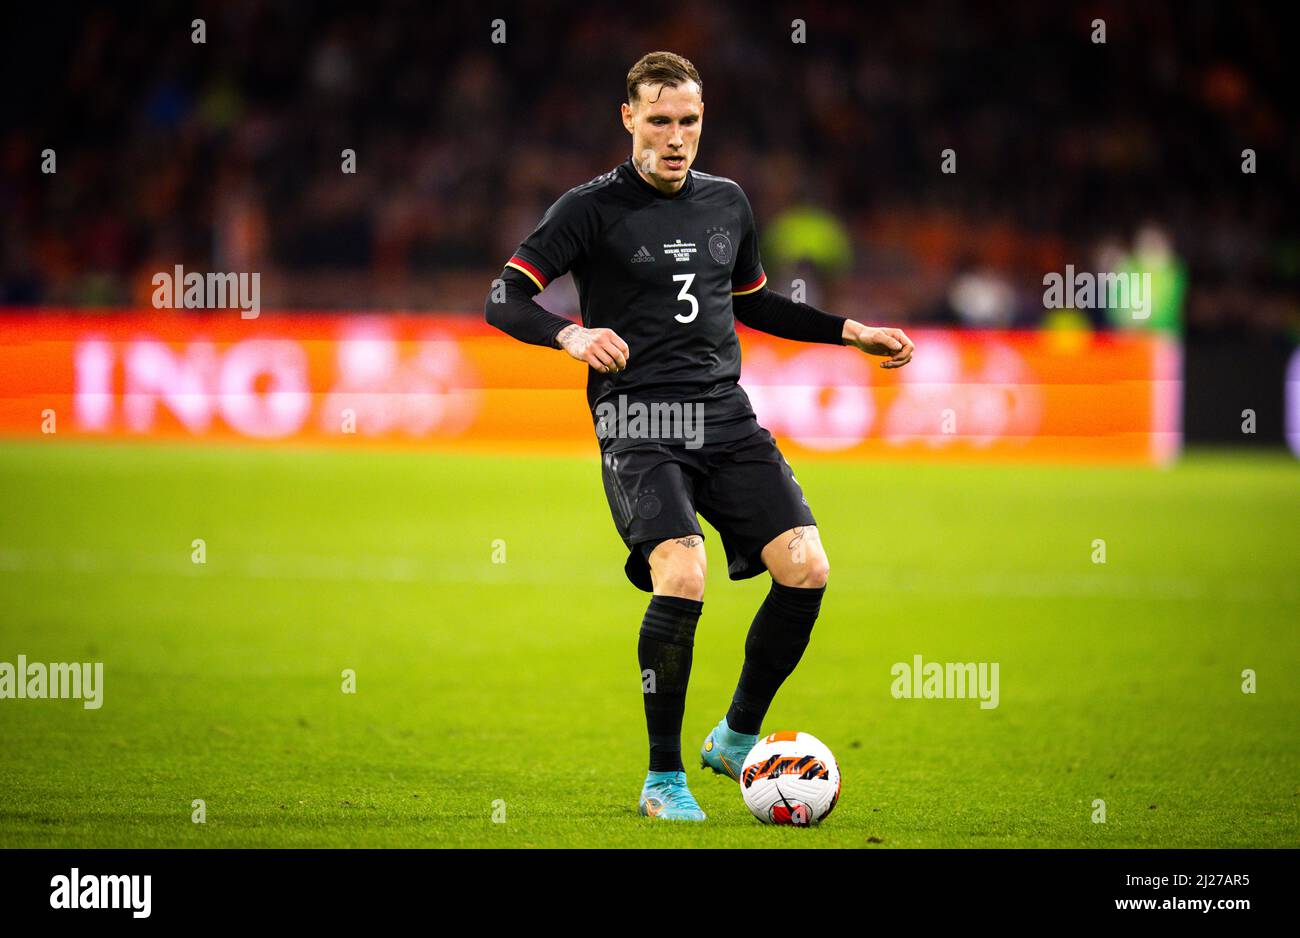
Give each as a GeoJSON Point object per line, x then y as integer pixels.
{"type": "Point", "coordinates": [229, 154]}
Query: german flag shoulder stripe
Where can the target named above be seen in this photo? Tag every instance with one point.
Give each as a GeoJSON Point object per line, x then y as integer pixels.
{"type": "Point", "coordinates": [528, 270]}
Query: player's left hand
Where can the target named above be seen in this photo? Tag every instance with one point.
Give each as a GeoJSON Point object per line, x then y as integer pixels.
{"type": "Point", "coordinates": [880, 340]}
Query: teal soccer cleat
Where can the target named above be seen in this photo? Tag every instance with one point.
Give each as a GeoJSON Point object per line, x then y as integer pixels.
{"type": "Point", "coordinates": [724, 751]}
{"type": "Point", "coordinates": [665, 795]}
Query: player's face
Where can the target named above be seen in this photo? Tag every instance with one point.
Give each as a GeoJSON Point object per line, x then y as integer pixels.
{"type": "Point", "coordinates": [665, 126]}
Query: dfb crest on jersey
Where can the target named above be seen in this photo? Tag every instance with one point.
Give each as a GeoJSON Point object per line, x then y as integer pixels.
{"type": "Point", "coordinates": [720, 247]}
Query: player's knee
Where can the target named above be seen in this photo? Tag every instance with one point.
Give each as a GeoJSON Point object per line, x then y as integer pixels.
{"type": "Point", "coordinates": [682, 579]}
{"type": "Point", "coordinates": [678, 571]}
{"type": "Point", "coordinates": [811, 572]}
{"type": "Point", "coordinates": [819, 571]}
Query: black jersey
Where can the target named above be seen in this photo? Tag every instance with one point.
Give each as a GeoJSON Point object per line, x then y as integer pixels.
{"type": "Point", "coordinates": [660, 270]}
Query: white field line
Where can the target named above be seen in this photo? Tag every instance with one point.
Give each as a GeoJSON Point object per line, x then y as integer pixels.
{"type": "Point", "coordinates": [1098, 582]}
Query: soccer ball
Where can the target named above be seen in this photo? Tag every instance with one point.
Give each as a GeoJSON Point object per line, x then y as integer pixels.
{"type": "Point", "coordinates": [790, 778]}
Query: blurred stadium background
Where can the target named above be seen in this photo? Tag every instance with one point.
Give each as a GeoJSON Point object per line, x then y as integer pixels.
{"type": "Point", "coordinates": [226, 156]}
{"type": "Point", "coordinates": [129, 431]}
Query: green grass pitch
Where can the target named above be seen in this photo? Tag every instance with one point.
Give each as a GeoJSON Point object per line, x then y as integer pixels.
{"type": "Point", "coordinates": [515, 685]}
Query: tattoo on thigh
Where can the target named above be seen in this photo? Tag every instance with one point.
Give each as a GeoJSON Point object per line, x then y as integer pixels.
{"type": "Point", "coordinates": [799, 540]}
{"type": "Point", "coordinates": [691, 541]}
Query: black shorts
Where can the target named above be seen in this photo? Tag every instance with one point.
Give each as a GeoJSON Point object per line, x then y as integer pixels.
{"type": "Point", "coordinates": [744, 488]}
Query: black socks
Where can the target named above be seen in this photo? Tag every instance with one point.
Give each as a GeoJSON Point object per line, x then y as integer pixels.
{"type": "Point", "coordinates": [664, 651]}
{"type": "Point", "coordinates": [776, 641]}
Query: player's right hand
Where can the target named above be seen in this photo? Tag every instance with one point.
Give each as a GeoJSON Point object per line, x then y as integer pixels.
{"type": "Point", "coordinates": [602, 349]}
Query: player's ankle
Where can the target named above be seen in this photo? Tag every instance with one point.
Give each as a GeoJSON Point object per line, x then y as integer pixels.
{"type": "Point", "coordinates": [732, 738]}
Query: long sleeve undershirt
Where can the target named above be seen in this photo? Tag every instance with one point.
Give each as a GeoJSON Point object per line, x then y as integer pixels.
{"type": "Point", "coordinates": [520, 315]}
{"type": "Point", "coordinates": [782, 317]}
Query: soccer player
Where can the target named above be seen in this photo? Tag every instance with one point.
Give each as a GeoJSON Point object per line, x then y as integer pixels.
{"type": "Point", "coordinates": [665, 260]}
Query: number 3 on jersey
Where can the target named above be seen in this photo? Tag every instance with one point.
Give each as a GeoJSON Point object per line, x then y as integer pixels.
{"type": "Point", "coordinates": [687, 280]}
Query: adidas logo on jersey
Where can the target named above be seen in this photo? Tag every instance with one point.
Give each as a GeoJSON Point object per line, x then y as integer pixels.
{"type": "Point", "coordinates": [643, 256]}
